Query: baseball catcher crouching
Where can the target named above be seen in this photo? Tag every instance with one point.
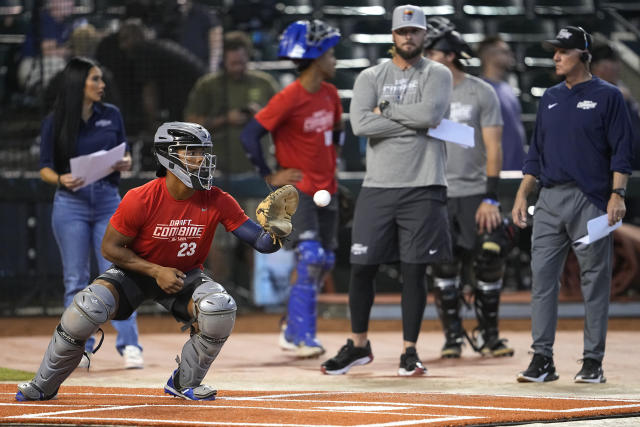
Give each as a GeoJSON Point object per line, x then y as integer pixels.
{"type": "Point", "coordinates": [157, 240]}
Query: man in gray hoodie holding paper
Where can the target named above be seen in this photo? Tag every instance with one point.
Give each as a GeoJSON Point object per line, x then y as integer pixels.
{"type": "Point", "coordinates": [401, 212]}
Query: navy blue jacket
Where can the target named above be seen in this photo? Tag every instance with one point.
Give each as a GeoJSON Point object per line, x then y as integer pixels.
{"type": "Point", "coordinates": [103, 131]}
{"type": "Point", "coordinates": [582, 135]}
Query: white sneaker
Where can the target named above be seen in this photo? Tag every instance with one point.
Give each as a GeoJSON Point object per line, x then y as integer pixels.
{"type": "Point", "coordinates": [132, 357]}
{"type": "Point", "coordinates": [85, 362]}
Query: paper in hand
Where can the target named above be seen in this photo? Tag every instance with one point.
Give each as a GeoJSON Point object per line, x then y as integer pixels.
{"type": "Point", "coordinates": [455, 132]}
{"type": "Point", "coordinates": [597, 228]}
{"type": "Point", "coordinates": [95, 166]}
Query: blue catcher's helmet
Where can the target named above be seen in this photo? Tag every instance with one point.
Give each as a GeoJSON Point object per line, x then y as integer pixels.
{"type": "Point", "coordinates": [307, 40]}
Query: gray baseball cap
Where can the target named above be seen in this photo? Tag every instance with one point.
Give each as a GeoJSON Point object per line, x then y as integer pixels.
{"type": "Point", "coordinates": [408, 16]}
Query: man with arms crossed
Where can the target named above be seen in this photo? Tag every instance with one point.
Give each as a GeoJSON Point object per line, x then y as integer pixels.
{"type": "Point", "coordinates": [401, 212]}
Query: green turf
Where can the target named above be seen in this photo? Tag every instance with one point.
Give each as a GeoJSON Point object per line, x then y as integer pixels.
{"type": "Point", "coordinates": [7, 374]}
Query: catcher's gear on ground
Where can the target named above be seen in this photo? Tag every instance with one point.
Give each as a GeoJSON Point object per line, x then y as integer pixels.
{"type": "Point", "coordinates": [275, 211]}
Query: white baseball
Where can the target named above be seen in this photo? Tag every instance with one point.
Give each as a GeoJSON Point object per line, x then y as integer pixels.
{"type": "Point", "coordinates": [322, 198]}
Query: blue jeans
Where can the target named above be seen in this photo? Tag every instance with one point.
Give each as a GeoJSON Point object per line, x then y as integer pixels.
{"type": "Point", "coordinates": [79, 220]}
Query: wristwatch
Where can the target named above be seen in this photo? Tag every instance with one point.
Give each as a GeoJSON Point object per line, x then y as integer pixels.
{"type": "Point", "coordinates": [383, 106]}
{"type": "Point", "coordinates": [620, 192]}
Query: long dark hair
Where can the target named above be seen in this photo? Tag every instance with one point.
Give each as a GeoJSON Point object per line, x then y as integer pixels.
{"type": "Point", "coordinates": [67, 110]}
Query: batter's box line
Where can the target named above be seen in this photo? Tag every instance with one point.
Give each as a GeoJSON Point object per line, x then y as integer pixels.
{"type": "Point", "coordinates": [218, 423]}
{"type": "Point", "coordinates": [47, 415]}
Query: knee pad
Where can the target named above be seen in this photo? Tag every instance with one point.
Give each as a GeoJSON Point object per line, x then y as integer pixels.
{"type": "Point", "coordinates": [489, 263]}
{"type": "Point", "coordinates": [91, 307]}
{"type": "Point", "coordinates": [216, 311]}
{"type": "Point", "coordinates": [310, 265]}
{"type": "Point", "coordinates": [447, 270]}
{"type": "Point", "coordinates": [216, 315]}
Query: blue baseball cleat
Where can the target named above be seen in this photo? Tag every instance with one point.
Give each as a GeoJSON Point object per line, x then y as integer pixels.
{"type": "Point", "coordinates": [201, 392]}
{"type": "Point", "coordinates": [28, 392]}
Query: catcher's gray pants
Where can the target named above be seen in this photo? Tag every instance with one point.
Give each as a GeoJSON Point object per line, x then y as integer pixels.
{"type": "Point", "coordinates": [560, 218]}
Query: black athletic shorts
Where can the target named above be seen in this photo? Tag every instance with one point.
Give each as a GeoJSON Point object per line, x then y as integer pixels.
{"type": "Point", "coordinates": [311, 222]}
{"type": "Point", "coordinates": [134, 288]}
{"type": "Point", "coordinates": [462, 219]}
{"type": "Point", "coordinates": [401, 224]}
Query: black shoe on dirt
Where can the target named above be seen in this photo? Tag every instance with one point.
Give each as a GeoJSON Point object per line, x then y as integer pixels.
{"type": "Point", "coordinates": [348, 357]}
{"type": "Point", "coordinates": [591, 372]}
{"type": "Point", "coordinates": [541, 369]}
{"type": "Point", "coordinates": [410, 364]}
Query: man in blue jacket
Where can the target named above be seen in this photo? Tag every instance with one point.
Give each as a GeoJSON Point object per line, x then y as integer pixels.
{"type": "Point", "coordinates": [581, 153]}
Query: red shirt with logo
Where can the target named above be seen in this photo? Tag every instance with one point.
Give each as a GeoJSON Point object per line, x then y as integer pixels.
{"type": "Point", "coordinates": [301, 124]}
{"type": "Point", "coordinates": [175, 233]}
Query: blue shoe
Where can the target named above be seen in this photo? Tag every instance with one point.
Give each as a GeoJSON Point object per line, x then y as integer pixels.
{"type": "Point", "coordinates": [30, 392]}
{"type": "Point", "coordinates": [201, 392]}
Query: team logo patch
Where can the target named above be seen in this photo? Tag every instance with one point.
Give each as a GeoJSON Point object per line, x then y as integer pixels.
{"type": "Point", "coordinates": [586, 105]}
{"type": "Point", "coordinates": [461, 113]}
{"type": "Point", "coordinates": [407, 15]}
{"type": "Point", "coordinates": [359, 249]}
{"type": "Point", "coordinates": [103, 123]}
{"type": "Point", "coordinates": [564, 34]}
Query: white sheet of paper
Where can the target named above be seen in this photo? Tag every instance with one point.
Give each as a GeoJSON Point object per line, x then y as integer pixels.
{"type": "Point", "coordinates": [597, 228]}
{"type": "Point", "coordinates": [95, 166]}
{"type": "Point", "coordinates": [455, 132]}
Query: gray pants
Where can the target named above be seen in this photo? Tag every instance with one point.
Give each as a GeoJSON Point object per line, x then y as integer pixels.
{"type": "Point", "coordinates": [560, 218]}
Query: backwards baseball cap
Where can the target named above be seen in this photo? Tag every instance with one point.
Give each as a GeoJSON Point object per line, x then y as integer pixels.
{"type": "Point", "coordinates": [408, 16]}
{"type": "Point", "coordinates": [570, 38]}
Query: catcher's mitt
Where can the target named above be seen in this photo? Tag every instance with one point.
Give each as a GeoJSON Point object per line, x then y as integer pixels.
{"type": "Point", "coordinates": [275, 211]}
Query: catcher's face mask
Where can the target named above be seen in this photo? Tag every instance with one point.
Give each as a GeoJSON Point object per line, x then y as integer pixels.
{"type": "Point", "coordinates": [185, 150]}
{"type": "Point", "coordinates": [197, 161]}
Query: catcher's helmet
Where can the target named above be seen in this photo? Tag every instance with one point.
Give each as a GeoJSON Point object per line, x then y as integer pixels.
{"type": "Point", "coordinates": [195, 165]}
{"type": "Point", "coordinates": [307, 40]}
{"type": "Point", "coordinates": [442, 35]}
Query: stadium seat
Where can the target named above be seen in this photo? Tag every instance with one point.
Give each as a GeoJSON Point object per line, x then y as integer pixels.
{"type": "Point", "coordinates": [494, 7]}
{"type": "Point", "coordinates": [524, 30]}
{"type": "Point", "coordinates": [11, 7]}
{"type": "Point", "coordinates": [536, 56]}
{"type": "Point", "coordinates": [432, 7]}
{"type": "Point", "coordinates": [353, 8]}
{"type": "Point", "coordinates": [472, 29]}
{"type": "Point", "coordinates": [368, 31]}
{"type": "Point", "coordinates": [295, 7]}
{"type": "Point", "coordinates": [563, 7]}
{"type": "Point", "coordinates": [535, 82]}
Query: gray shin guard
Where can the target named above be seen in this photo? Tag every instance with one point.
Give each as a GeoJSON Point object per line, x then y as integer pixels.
{"type": "Point", "coordinates": [91, 307]}
{"type": "Point", "coordinates": [216, 315]}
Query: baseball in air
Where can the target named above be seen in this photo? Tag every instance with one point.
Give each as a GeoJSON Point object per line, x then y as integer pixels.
{"type": "Point", "coordinates": [322, 198]}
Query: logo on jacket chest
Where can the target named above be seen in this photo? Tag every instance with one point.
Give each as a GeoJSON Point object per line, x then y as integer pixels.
{"type": "Point", "coordinates": [586, 105]}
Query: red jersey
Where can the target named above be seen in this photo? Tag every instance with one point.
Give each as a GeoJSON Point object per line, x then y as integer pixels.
{"type": "Point", "coordinates": [175, 233]}
{"type": "Point", "coordinates": [301, 124]}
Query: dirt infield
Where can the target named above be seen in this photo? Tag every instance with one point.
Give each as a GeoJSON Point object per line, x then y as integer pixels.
{"type": "Point", "coordinates": [136, 406]}
{"type": "Point", "coordinates": [251, 364]}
